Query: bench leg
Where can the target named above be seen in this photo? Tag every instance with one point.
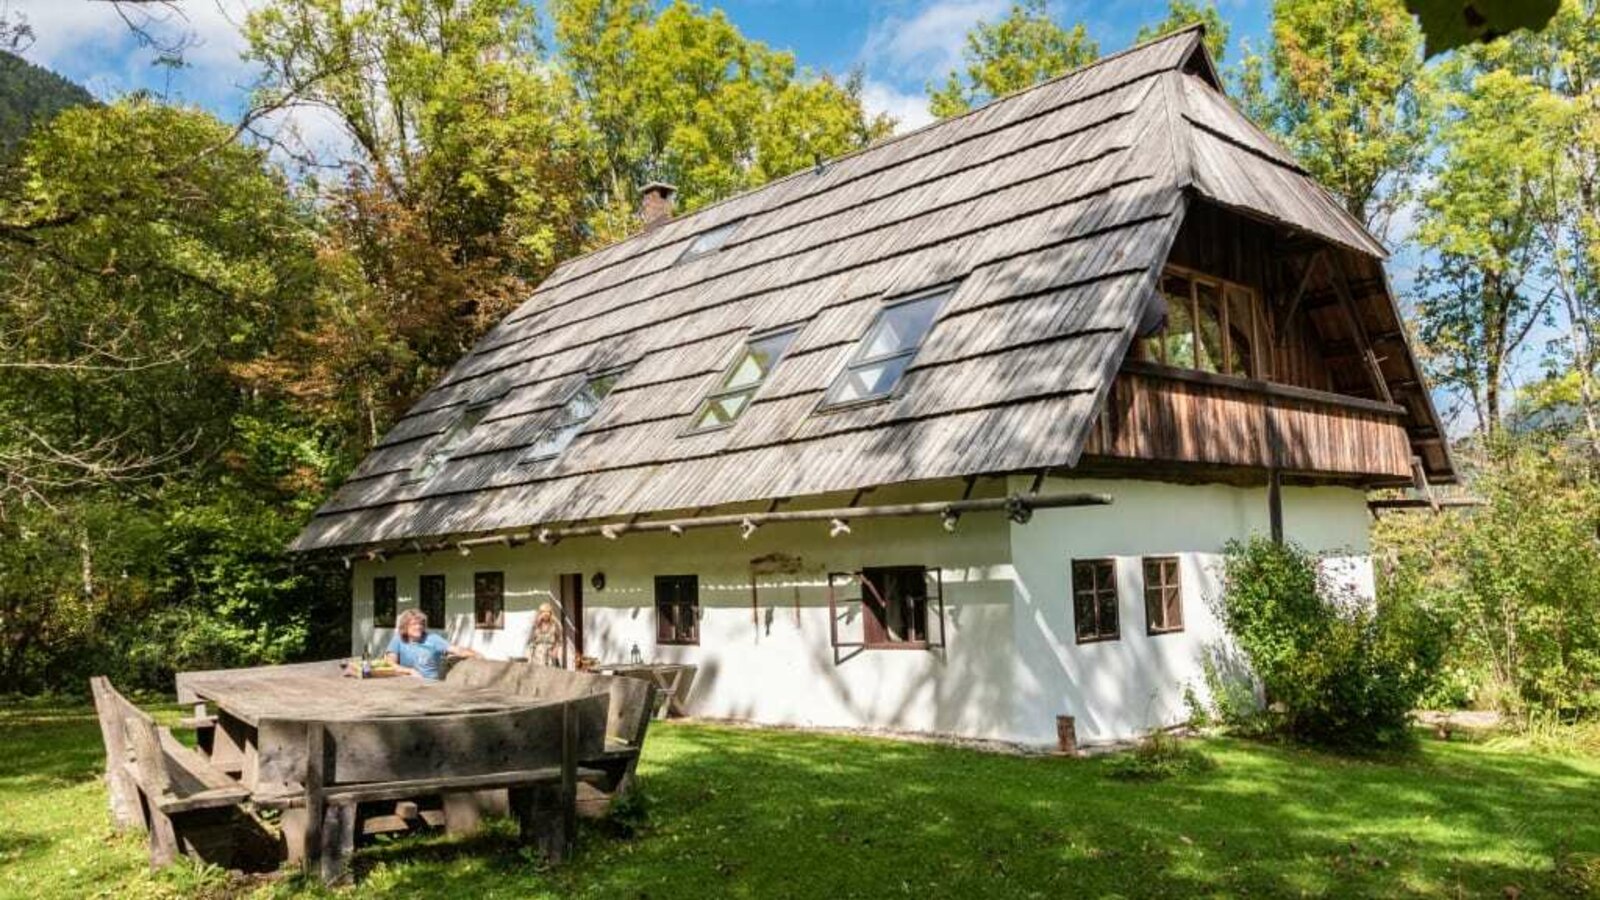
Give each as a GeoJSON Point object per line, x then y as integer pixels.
{"type": "Point", "coordinates": [163, 840]}
{"type": "Point", "coordinates": [338, 842]}
{"type": "Point", "coordinates": [547, 824]}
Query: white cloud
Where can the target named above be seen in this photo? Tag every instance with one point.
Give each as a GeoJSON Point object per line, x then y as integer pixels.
{"type": "Point", "coordinates": [92, 43]}
{"type": "Point", "coordinates": [927, 42]}
{"type": "Point", "coordinates": [909, 109]}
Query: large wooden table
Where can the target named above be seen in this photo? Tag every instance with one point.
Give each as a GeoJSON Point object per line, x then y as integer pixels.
{"type": "Point", "coordinates": [260, 735]}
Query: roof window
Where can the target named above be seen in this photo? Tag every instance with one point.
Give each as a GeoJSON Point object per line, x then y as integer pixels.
{"type": "Point", "coordinates": [452, 438]}
{"type": "Point", "coordinates": [890, 344]}
{"type": "Point", "coordinates": [710, 240]}
{"type": "Point", "coordinates": [580, 407]}
{"type": "Point", "coordinates": [743, 378]}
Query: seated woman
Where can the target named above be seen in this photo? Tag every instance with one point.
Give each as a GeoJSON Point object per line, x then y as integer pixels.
{"type": "Point", "coordinates": [414, 650]}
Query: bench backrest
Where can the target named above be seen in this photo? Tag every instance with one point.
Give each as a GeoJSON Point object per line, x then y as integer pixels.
{"type": "Point", "coordinates": [413, 748]}
{"type": "Point", "coordinates": [632, 699]}
{"type": "Point", "coordinates": [131, 735]}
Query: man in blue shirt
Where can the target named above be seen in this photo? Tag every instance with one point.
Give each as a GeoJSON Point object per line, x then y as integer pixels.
{"type": "Point", "coordinates": [414, 650]}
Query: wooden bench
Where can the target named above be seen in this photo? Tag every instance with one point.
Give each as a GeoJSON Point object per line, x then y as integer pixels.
{"type": "Point", "coordinates": [531, 753]}
{"type": "Point", "coordinates": [627, 721]}
{"type": "Point", "coordinates": [163, 787]}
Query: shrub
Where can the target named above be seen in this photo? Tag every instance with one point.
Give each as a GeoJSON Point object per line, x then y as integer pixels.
{"type": "Point", "coordinates": [1339, 671]}
{"type": "Point", "coordinates": [1156, 758]}
{"type": "Point", "coordinates": [1522, 574]}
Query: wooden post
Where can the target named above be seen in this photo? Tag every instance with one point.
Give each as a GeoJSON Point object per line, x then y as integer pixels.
{"type": "Point", "coordinates": [548, 813]}
{"type": "Point", "coordinates": [312, 840]}
{"type": "Point", "coordinates": [1275, 503]}
{"type": "Point", "coordinates": [338, 841]}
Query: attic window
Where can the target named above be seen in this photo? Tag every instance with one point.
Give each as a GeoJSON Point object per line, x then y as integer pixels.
{"type": "Point", "coordinates": [1211, 325]}
{"type": "Point", "coordinates": [888, 348]}
{"type": "Point", "coordinates": [574, 414]}
{"type": "Point", "coordinates": [739, 383]}
{"type": "Point", "coordinates": [710, 240]}
{"type": "Point", "coordinates": [452, 438]}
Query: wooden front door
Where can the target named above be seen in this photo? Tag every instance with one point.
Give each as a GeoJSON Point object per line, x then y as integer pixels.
{"type": "Point", "coordinates": [571, 597]}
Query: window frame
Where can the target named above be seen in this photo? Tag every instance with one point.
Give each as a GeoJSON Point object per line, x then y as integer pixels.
{"type": "Point", "coordinates": [933, 610]}
{"type": "Point", "coordinates": [858, 359]}
{"type": "Point", "coordinates": [444, 448]}
{"type": "Point", "coordinates": [729, 228]}
{"type": "Point", "coordinates": [1259, 329]}
{"type": "Point", "coordinates": [528, 459]}
{"type": "Point", "coordinates": [498, 598]}
{"type": "Point", "coordinates": [393, 600]}
{"type": "Point", "coordinates": [676, 638]}
{"type": "Point", "coordinates": [1162, 587]}
{"type": "Point", "coordinates": [1096, 591]}
{"type": "Point", "coordinates": [721, 390]}
{"type": "Point", "coordinates": [423, 581]}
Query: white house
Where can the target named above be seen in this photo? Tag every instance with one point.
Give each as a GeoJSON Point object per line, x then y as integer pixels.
{"type": "Point", "coordinates": [946, 435]}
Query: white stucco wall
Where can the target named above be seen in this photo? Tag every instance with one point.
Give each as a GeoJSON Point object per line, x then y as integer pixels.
{"type": "Point", "coordinates": [1117, 689]}
{"type": "Point", "coordinates": [1010, 665]}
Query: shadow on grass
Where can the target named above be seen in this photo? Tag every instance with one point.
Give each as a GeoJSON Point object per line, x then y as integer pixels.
{"type": "Point", "coordinates": [737, 812]}
{"type": "Point", "coordinates": [747, 813]}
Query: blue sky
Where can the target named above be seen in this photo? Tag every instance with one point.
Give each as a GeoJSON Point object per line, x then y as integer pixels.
{"type": "Point", "coordinates": [899, 44]}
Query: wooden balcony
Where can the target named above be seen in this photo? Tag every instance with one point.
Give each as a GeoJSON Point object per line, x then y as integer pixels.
{"type": "Point", "coordinates": [1198, 419]}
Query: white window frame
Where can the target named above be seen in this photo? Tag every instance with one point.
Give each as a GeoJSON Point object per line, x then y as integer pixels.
{"type": "Point", "coordinates": [858, 360]}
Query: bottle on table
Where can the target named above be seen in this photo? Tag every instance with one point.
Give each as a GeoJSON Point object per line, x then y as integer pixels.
{"type": "Point", "coordinates": [366, 665]}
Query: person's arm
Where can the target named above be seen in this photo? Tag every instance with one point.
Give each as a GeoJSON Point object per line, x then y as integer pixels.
{"type": "Point", "coordinates": [463, 652]}
{"type": "Point", "coordinates": [394, 664]}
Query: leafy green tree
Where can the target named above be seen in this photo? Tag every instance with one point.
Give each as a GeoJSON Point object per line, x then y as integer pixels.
{"type": "Point", "coordinates": [1480, 221]}
{"type": "Point", "coordinates": [680, 95]}
{"type": "Point", "coordinates": [146, 260]}
{"type": "Point", "coordinates": [1182, 14]}
{"type": "Point", "coordinates": [1343, 85]}
{"type": "Point", "coordinates": [1021, 50]}
{"type": "Point", "coordinates": [1561, 67]}
{"type": "Point", "coordinates": [1519, 575]}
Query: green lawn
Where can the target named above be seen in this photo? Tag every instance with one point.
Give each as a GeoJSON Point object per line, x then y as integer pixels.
{"type": "Point", "coordinates": [747, 813]}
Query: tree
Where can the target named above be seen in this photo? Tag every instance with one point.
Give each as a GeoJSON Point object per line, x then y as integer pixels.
{"type": "Point", "coordinates": [1480, 221]}
{"type": "Point", "coordinates": [1343, 85]}
{"type": "Point", "coordinates": [1021, 50]}
{"type": "Point", "coordinates": [459, 187]}
{"type": "Point", "coordinates": [1561, 65]}
{"type": "Point", "coordinates": [145, 259]}
{"type": "Point", "coordinates": [1182, 14]}
{"type": "Point", "coordinates": [679, 95]}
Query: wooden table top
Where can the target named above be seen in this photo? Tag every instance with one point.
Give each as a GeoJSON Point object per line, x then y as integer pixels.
{"type": "Point", "coordinates": [256, 695]}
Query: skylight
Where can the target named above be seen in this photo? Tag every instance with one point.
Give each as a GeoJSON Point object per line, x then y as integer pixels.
{"type": "Point", "coordinates": [883, 355]}
{"type": "Point", "coordinates": [458, 431]}
{"type": "Point", "coordinates": [574, 414]}
{"type": "Point", "coordinates": [710, 240]}
{"type": "Point", "coordinates": [739, 384]}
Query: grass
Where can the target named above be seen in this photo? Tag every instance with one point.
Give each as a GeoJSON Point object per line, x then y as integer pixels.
{"type": "Point", "coordinates": [745, 813]}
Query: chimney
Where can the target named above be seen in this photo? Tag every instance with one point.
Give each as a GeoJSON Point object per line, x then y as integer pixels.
{"type": "Point", "coordinates": [655, 204]}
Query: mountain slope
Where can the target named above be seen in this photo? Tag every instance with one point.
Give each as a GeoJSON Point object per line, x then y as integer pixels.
{"type": "Point", "coordinates": [30, 95]}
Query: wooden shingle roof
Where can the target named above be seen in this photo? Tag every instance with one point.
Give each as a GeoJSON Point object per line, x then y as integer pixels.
{"type": "Point", "coordinates": [1051, 212]}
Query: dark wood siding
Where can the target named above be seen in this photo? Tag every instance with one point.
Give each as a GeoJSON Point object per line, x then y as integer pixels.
{"type": "Point", "coordinates": [1207, 419]}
